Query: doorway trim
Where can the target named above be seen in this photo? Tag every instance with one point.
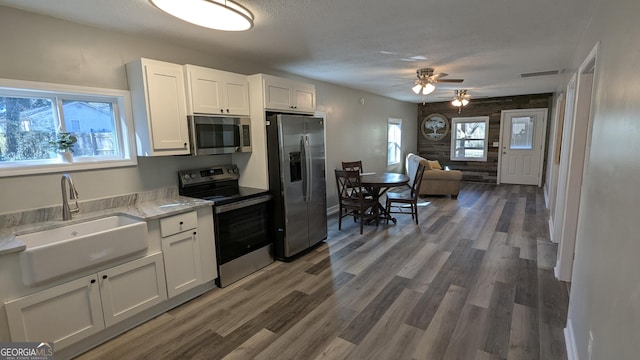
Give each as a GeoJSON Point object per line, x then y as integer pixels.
{"type": "Point", "coordinates": [579, 150]}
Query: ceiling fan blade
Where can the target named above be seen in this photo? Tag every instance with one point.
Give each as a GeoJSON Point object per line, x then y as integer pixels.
{"type": "Point", "coordinates": [403, 84]}
{"type": "Point", "coordinates": [438, 75]}
{"type": "Point", "coordinates": [451, 80]}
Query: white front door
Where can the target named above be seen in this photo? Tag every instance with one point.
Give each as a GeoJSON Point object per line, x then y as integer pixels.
{"type": "Point", "coordinates": [521, 155]}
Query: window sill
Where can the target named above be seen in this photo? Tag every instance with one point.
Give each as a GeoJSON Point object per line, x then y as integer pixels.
{"type": "Point", "coordinates": [470, 159]}
{"type": "Point", "coordinates": [54, 166]}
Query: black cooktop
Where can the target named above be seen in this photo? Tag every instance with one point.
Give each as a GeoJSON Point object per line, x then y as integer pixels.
{"type": "Point", "coordinates": [218, 184]}
{"type": "Point", "coordinates": [243, 193]}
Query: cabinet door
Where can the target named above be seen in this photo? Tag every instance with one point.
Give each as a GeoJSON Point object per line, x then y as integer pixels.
{"type": "Point", "coordinates": [206, 92]}
{"type": "Point", "coordinates": [277, 95]}
{"type": "Point", "coordinates": [206, 243]}
{"type": "Point", "coordinates": [304, 98]}
{"type": "Point", "coordinates": [181, 262]}
{"type": "Point", "coordinates": [132, 287]}
{"type": "Point", "coordinates": [236, 93]}
{"type": "Point", "coordinates": [166, 104]}
{"type": "Point", "coordinates": [63, 314]}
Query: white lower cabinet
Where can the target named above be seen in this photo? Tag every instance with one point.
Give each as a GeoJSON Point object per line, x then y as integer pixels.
{"type": "Point", "coordinates": [132, 287]}
{"type": "Point", "coordinates": [77, 309]}
{"type": "Point", "coordinates": [181, 262]}
{"type": "Point", "coordinates": [189, 250]}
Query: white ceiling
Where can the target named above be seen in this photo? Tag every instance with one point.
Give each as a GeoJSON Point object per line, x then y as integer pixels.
{"type": "Point", "coordinates": [368, 44]}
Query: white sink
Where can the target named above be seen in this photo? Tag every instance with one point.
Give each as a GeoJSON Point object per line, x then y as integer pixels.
{"type": "Point", "coordinates": [54, 253]}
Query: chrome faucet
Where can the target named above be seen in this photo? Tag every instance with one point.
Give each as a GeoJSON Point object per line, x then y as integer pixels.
{"type": "Point", "coordinates": [73, 195]}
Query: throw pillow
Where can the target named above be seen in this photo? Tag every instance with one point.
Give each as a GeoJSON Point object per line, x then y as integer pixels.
{"type": "Point", "coordinates": [425, 162]}
{"type": "Point", "coordinates": [434, 164]}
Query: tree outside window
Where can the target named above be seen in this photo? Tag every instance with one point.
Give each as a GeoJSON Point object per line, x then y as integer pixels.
{"type": "Point", "coordinates": [33, 114]}
{"type": "Point", "coordinates": [469, 138]}
{"type": "Point", "coordinates": [28, 124]}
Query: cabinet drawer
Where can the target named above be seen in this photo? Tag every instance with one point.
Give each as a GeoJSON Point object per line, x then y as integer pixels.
{"type": "Point", "coordinates": [178, 223]}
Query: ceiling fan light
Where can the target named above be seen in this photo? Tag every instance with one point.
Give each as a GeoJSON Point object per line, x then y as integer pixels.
{"type": "Point", "coordinates": [456, 102]}
{"type": "Point", "coordinates": [465, 102]}
{"type": "Point", "coordinates": [428, 89]}
{"type": "Point", "coordinates": [417, 88]}
{"type": "Point", "coordinates": [223, 15]}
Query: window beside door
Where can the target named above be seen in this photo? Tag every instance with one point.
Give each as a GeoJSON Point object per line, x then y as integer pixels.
{"type": "Point", "coordinates": [394, 141]}
{"type": "Point", "coordinates": [469, 138]}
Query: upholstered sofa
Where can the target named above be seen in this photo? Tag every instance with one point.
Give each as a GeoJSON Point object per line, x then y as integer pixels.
{"type": "Point", "coordinates": [435, 180]}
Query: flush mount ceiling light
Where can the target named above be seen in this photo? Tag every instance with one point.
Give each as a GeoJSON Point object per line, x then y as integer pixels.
{"type": "Point", "coordinates": [223, 15]}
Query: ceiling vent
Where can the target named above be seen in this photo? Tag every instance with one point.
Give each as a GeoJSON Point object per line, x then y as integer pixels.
{"type": "Point", "coordinates": [540, 73]}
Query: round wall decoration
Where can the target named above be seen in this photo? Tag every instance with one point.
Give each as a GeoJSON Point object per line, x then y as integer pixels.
{"type": "Point", "coordinates": [434, 127]}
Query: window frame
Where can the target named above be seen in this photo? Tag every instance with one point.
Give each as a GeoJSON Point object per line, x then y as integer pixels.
{"type": "Point", "coordinates": [123, 126]}
{"type": "Point", "coordinates": [398, 122]}
{"type": "Point", "coordinates": [474, 119]}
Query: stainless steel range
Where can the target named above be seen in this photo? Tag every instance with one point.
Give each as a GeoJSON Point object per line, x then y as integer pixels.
{"type": "Point", "coordinates": [241, 218]}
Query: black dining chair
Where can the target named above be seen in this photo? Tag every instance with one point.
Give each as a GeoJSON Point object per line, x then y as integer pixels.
{"type": "Point", "coordinates": [352, 165]}
{"type": "Point", "coordinates": [400, 200]}
{"type": "Point", "coordinates": [352, 200]}
{"type": "Point", "coordinates": [355, 166]}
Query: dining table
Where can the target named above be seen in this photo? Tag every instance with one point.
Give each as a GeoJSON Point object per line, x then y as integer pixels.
{"type": "Point", "coordinates": [379, 183]}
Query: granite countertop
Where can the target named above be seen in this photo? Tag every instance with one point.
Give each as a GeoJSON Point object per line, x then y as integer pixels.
{"type": "Point", "coordinates": [147, 210]}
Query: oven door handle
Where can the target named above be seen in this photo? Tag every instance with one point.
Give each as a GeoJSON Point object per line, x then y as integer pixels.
{"type": "Point", "coordinates": [241, 204]}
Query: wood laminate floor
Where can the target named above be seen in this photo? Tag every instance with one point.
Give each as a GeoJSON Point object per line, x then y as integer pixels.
{"type": "Point", "coordinates": [473, 281]}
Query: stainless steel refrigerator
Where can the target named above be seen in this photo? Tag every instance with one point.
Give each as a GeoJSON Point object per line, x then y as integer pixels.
{"type": "Point", "coordinates": [297, 182]}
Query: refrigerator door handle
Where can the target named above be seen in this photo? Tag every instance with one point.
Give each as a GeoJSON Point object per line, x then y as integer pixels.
{"type": "Point", "coordinates": [309, 172]}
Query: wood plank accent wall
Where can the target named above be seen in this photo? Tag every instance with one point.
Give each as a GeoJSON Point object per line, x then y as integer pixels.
{"type": "Point", "coordinates": [475, 170]}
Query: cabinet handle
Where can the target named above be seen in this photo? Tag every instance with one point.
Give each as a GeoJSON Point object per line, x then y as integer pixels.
{"type": "Point", "coordinates": [185, 144]}
{"type": "Point", "coordinates": [221, 111]}
{"type": "Point", "coordinates": [194, 233]}
{"type": "Point", "coordinates": [181, 222]}
{"type": "Point", "coordinates": [93, 281]}
{"type": "Point", "coordinates": [104, 276]}
{"type": "Point", "coordinates": [227, 111]}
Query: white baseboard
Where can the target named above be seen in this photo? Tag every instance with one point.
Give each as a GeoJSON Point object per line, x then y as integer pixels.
{"type": "Point", "coordinates": [333, 210]}
{"type": "Point", "coordinates": [570, 341]}
{"type": "Point", "coordinates": [546, 196]}
{"type": "Point", "coordinates": [550, 222]}
{"type": "Point", "coordinates": [556, 271]}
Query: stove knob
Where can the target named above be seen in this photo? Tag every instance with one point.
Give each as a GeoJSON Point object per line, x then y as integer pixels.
{"type": "Point", "coordinates": [186, 177]}
{"type": "Point", "coordinates": [193, 176]}
{"type": "Point", "coordinates": [235, 170]}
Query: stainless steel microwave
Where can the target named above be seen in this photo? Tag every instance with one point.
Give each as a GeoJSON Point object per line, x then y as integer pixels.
{"type": "Point", "coordinates": [211, 135]}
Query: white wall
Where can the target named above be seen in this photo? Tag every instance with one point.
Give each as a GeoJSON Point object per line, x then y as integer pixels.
{"type": "Point", "coordinates": [359, 131]}
{"type": "Point", "coordinates": [40, 48]}
{"type": "Point", "coordinates": [605, 290]}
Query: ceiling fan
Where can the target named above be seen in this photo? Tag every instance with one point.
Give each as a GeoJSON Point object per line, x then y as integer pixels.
{"type": "Point", "coordinates": [460, 99]}
{"type": "Point", "coordinates": [426, 79]}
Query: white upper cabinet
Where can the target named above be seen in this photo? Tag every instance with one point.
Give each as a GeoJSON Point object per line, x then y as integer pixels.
{"type": "Point", "coordinates": [288, 95]}
{"type": "Point", "coordinates": [216, 92]}
{"type": "Point", "coordinates": [159, 107]}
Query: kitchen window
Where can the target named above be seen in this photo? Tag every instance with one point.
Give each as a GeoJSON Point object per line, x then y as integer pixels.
{"type": "Point", "coordinates": [469, 137]}
{"type": "Point", "coordinates": [394, 141]}
{"type": "Point", "coordinates": [32, 114]}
